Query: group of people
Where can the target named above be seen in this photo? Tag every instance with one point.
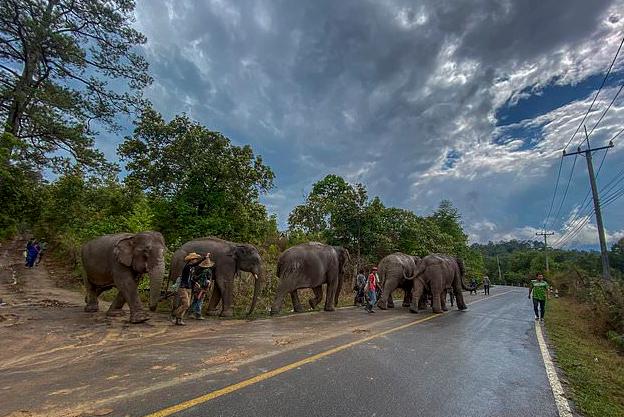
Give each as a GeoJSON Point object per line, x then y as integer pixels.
{"type": "Point", "coordinates": [367, 290]}
{"type": "Point", "coordinates": [473, 285]}
{"type": "Point", "coordinates": [34, 252]}
{"type": "Point", "coordinates": [192, 287]}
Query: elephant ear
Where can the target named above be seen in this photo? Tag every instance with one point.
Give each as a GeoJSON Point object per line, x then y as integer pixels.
{"type": "Point", "coordinates": [123, 251]}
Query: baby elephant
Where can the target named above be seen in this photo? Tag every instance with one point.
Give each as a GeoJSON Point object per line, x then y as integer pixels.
{"type": "Point", "coordinates": [310, 265]}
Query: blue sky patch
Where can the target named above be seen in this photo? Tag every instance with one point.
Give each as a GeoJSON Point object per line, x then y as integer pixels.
{"type": "Point", "coordinates": [551, 97]}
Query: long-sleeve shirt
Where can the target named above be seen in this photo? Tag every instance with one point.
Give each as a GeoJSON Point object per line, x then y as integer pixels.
{"type": "Point", "coordinates": [360, 281]}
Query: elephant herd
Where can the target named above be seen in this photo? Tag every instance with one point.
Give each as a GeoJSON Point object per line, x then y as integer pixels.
{"type": "Point", "coordinates": [119, 260]}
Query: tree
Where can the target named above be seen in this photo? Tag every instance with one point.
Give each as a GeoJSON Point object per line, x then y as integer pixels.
{"type": "Point", "coordinates": [198, 182]}
{"type": "Point", "coordinates": [57, 61]}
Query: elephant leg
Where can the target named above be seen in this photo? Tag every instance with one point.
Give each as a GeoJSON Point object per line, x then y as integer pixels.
{"type": "Point", "coordinates": [407, 298]}
{"type": "Point", "coordinates": [226, 294]}
{"type": "Point", "coordinates": [116, 307]}
{"type": "Point", "coordinates": [215, 299]}
{"type": "Point", "coordinates": [127, 286]}
{"type": "Point", "coordinates": [459, 298]}
{"type": "Point", "coordinates": [278, 301]}
{"type": "Point", "coordinates": [417, 292]}
{"type": "Point", "coordinates": [91, 297]}
{"type": "Point", "coordinates": [423, 301]}
{"type": "Point", "coordinates": [390, 301]}
{"type": "Point", "coordinates": [443, 301]}
{"type": "Point", "coordinates": [390, 284]}
{"type": "Point", "coordinates": [318, 297]}
{"type": "Point", "coordinates": [436, 302]}
{"type": "Point", "coordinates": [332, 284]}
{"type": "Point", "coordinates": [294, 297]}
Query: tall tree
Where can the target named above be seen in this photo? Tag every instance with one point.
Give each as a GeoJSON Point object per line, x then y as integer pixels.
{"type": "Point", "coordinates": [201, 182]}
{"type": "Point", "coordinates": [59, 60]}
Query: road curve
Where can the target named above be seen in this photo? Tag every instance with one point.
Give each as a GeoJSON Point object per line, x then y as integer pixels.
{"type": "Point", "coordinates": [482, 362]}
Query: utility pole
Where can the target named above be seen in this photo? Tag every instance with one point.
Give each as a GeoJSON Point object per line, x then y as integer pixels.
{"type": "Point", "coordinates": [545, 245]}
{"type": "Point", "coordinates": [500, 276]}
{"type": "Point", "coordinates": [592, 182]}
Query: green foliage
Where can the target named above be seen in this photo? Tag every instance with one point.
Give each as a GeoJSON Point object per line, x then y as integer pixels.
{"type": "Point", "coordinates": [340, 213]}
{"type": "Point", "coordinates": [196, 181]}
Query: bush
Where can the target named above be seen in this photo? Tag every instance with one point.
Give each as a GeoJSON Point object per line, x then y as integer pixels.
{"type": "Point", "coordinates": [605, 297]}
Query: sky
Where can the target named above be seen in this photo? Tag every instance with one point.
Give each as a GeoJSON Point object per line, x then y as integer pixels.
{"type": "Point", "coordinates": [470, 101]}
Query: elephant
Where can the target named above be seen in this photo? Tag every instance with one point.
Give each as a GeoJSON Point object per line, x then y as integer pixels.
{"type": "Point", "coordinates": [310, 265]}
{"type": "Point", "coordinates": [119, 260]}
{"type": "Point", "coordinates": [229, 259]}
{"type": "Point", "coordinates": [437, 273]}
{"type": "Point", "coordinates": [395, 271]}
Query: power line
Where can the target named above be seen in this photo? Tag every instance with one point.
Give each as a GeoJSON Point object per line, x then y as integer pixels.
{"type": "Point", "coordinates": [604, 80]}
{"type": "Point", "coordinates": [604, 112]}
{"type": "Point", "coordinates": [565, 193]}
{"type": "Point", "coordinates": [552, 202]}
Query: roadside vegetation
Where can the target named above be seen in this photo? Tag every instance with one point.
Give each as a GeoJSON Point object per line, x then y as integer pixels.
{"type": "Point", "coordinates": [591, 363]}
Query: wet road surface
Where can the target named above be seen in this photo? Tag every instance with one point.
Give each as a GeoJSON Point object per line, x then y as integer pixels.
{"type": "Point", "coordinates": [482, 362]}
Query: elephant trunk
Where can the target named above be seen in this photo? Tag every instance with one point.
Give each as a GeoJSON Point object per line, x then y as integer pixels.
{"type": "Point", "coordinates": [156, 275]}
{"type": "Point", "coordinates": [462, 272]}
{"type": "Point", "coordinates": [258, 284]}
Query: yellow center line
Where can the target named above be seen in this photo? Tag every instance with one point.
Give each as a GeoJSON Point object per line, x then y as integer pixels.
{"type": "Point", "coordinates": [270, 374]}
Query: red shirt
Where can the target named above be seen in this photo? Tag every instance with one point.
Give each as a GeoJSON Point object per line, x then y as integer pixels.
{"type": "Point", "coordinates": [371, 282]}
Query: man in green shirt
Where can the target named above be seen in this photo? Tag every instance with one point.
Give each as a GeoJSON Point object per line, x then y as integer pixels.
{"type": "Point", "coordinates": [539, 289]}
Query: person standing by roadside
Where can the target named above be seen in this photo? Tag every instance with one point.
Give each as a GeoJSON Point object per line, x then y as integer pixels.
{"type": "Point", "coordinates": [371, 290]}
{"type": "Point", "coordinates": [42, 248]}
{"type": "Point", "coordinates": [360, 284]}
{"type": "Point", "coordinates": [473, 286]}
{"type": "Point", "coordinates": [32, 251]}
{"type": "Point", "coordinates": [486, 285]}
{"type": "Point", "coordinates": [539, 289]}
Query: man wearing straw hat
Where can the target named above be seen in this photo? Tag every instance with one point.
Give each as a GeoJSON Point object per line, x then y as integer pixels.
{"type": "Point", "coordinates": [194, 261]}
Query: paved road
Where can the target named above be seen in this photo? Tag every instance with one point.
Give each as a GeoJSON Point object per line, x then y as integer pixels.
{"type": "Point", "coordinates": [483, 362]}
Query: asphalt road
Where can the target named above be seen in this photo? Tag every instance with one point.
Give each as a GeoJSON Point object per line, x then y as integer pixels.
{"type": "Point", "coordinates": [482, 362]}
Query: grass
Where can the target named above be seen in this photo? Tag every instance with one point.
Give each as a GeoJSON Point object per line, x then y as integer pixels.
{"type": "Point", "coordinates": [592, 365]}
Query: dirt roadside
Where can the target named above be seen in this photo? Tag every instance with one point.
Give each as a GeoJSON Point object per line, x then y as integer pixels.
{"type": "Point", "coordinates": [57, 360]}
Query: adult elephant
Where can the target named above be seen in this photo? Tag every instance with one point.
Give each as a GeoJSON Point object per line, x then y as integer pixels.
{"type": "Point", "coordinates": [229, 259]}
{"type": "Point", "coordinates": [119, 260]}
{"type": "Point", "coordinates": [395, 271]}
{"type": "Point", "coordinates": [437, 273]}
{"type": "Point", "coordinates": [310, 265]}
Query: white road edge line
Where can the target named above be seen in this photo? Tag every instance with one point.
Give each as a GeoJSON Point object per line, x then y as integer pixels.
{"type": "Point", "coordinates": [555, 384]}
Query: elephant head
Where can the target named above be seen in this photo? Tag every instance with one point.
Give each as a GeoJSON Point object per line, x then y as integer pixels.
{"type": "Point", "coordinates": [144, 254]}
{"type": "Point", "coordinates": [248, 259]}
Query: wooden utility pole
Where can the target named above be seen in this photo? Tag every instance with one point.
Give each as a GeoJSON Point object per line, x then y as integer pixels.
{"type": "Point", "coordinates": [545, 245]}
{"type": "Point", "coordinates": [592, 182]}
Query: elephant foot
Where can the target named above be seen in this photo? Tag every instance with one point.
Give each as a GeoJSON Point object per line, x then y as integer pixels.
{"type": "Point", "coordinates": [413, 310]}
{"type": "Point", "coordinates": [312, 303]}
{"type": "Point", "coordinates": [444, 309]}
{"type": "Point", "coordinates": [438, 311]}
{"type": "Point", "coordinates": [274, 312]}
{"type": "Point", "coordinates": [227, 313]}
{"type": "Point", "coordinates": [91, 308]}
{"type": "Point", "coordinates": [115, 313]}
{"type": "Point", "coordinates": [212, 313]}
{"type": "Point", "coordinates": [139, 317]}
{"type": "Point", "coordinates": [382, 306]}
{"type": "Point", "coordinates": [299, 308]}
{"type": "Point", "coordinates": [462, 308]}
{"type": "Point", "coordinates": [330, 309]}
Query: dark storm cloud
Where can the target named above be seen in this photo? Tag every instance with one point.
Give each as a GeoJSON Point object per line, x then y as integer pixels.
{"type": "Point", "coordinates": [377, 91]}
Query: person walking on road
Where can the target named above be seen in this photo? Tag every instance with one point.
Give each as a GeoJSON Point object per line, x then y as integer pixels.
{"type": "Point", "coordinates": [187, 281]}
{"type": "Point", "coordinates": [358, 288]}
{"type": "Point", "coordinates": [201, 286]}
{"type": "Point", "coordinates": [32, 251]}
{"type": "Point", "coordinates": [371, 290]}
{"type": "Point", "coordinates": [486, 285]}
{"type": "Point", "coordinates": [539, 289]}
